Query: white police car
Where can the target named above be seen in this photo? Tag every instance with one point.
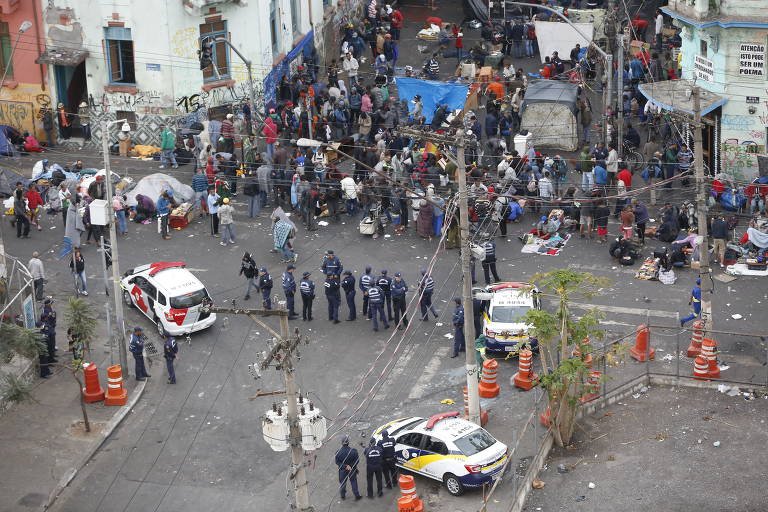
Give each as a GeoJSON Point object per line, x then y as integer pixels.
{"type": "Point", "coordinates": [169, 295]}
{"type": "Point", "coordinates": [447, 448]}
{"type": "Point", "coordinates": [504, 305]}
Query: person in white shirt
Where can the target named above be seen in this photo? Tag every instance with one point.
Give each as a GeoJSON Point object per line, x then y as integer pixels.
{"type": "Point", "coordinates": [350, 66]}
{"type": "Point", "coordinates": [37, 271]}
{"type": "Point", "coordinates": [545, 191]}
{"type": "Point", "coordinates": [659, 29]}
{"type": "Point", "coordinates": [612, 163]}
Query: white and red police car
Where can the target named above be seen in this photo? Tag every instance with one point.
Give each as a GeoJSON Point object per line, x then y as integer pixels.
{"type": "Point", "coordinates": [170, 296]}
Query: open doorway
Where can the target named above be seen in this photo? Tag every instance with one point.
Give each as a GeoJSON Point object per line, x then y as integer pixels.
{"type": "Point", "coordinates": [71, 90]}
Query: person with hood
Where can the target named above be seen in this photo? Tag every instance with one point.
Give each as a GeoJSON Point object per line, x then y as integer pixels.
{"type": "Point", "coordinates": [424, 222]}
{"type": "Point", "coordinates": [270, 135]}
{"type": "Point", "coordinates": [249, 269]}
{"type": "Point", "coordinates": [284, 235]}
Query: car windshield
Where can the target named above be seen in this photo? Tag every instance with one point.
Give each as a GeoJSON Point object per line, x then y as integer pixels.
{"type": "Point", "coordinates": [475, 442]}
{"type": "Point", "coordinates": [509, 314]}
{"type": "Point", "coordinates": [189, 300]}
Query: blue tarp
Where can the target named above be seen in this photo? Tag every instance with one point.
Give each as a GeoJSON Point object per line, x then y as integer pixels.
{"type": "Point", "coordinates": [272, 80]}
{"type": "Point", "coordinates": [432, 94]}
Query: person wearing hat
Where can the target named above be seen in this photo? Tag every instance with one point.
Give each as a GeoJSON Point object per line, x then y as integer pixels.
{"type": "Point", "coordinates": [167, 145]}
{"type": "Point", "coordinates": [136, 347]}
{"type": "Point", "coordinates": [347, 460]}
{"type": "Point", "coordinates": [265, 285]}
{"type": "Point", "coordinates": [333, 295]}
{"type": "Point", "coordinates": [385, 283]}
{"type": "Point", "coordinates": [376, 306]}
{"type": "Point", "coordinates": [44, 359]}
{"type": "Point", "coordinates": [170, 353]}
{"type": "Point", "coordinates": [373, 466]}
{"type": "Point", "coordinates": [366, 281]}
{"type": "Point", "coordinates": [331, 266]}
{"type": "Point", "coordinates": [348, 285]}
{"type": "Point", "coordinates": [695, 302]}
{"type": "Point", "coordinates": [489, 261]}
{"type": "Point", "coordinates": [65, 121]}
{"type": "Point", "coordinates": [226, 222]}
{"type": "Point", "coordinates": [163, 207]}
{"type": "Point", "coordinates": [426, 288]}
{"type": "Point", "coordinates": [307, 290]}
{"type": "Point", "coordinates": [399, 288]}
{"type": "Point", "coordinates": [227, 139]}
{"type": "Point", "coordinates": [289, 287]}
{"type": "Point", "coordinates": [48, 317]}
{"type": "Point", "coordinates": [458, 324]}
{"type": "Point", "coordinates": [84, 115]}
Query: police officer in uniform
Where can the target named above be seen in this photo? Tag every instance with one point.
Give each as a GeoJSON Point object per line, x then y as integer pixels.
{"type": "Point", "coordinates": [333, 294]}
{"type": "Point", "coordinates": [170, 352]}
{"type": "Point", "coordinates": [265, 285]}
{"type": "Point", "coordinates": [376, 299]}
{"type": "Point", "coordinates": [289, 287]}
{"type": "Point", "coordinates": [399, 287]}
{"type": "Point", "coordinates": [366, 281]}
{"type": "Point", "coordinates": [348, 284]}
{"type": "Point", "coordinates": [331, 266]}
{"type": "Point", "coordinates": [44, 358]}
{"type": "Point", "coordinates": [458, 324]}
{"type": "Point", "coordinates": [387, 445]}
{"type": "Point", "coordinates": [307, 289]}
{"type": "Point", "coordinates": [136, 347]}
{"type": "Point", "coordinates": [373, 465]}
{"type": "Point", "coordinates": [347, 460]}
{"type": "Point", "coordinates": [426, 288]}
{"type": "Point", "coordinates": [48, 317]}
{"type": "Point", "coordinates": [489, 262]}
{"type": "Point", "coordinates": [385, 283]}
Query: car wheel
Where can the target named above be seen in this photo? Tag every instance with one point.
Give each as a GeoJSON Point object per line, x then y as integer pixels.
{"type": "Point", "coordinates": [127, 299]}
{"type": "Point", "coordinates": [160, 329]}
{"type": "Point", "coordinates": [453, 484]}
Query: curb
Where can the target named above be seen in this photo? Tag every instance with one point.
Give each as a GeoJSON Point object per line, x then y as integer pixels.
{"type": "Point", "coordinates": [110, 427]}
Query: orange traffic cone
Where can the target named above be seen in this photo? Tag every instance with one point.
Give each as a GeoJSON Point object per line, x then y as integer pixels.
{"type": "Point", "coordinates": [592, 386]}
{"type": "Point", "coordinates": [483, 413]}
{"type": "Point", "coordinates": [116, 393]}
{"type": "Point", "coordinates": [488, 387]}
{"type": "Point", "coordinates": [642, 351]}
{"type": "Point", "coordinates": [709, 352]}
{"type": "Point", "coordinates": [700, 368]}
{"type": "Point", "coordinates": [92, 391]}
{"type": "Point", "coordinates": [405, 504]}
{"type": "Point", "coordinates": [697, 336]}
{"type": "Point", "coordinates": [524, 378]}
{"type": "Point", "coordinates": [586, 357]}
{"type": "Point", "coordinates": [545, 418]}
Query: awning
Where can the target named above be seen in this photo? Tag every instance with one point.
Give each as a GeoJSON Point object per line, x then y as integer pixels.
{"type": "Point", "coordinates": [675, 95]}
{"type": "Point", "coordinates": [62, 56]}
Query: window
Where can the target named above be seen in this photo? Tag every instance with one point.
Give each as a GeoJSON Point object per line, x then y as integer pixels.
{"type": "Point", "coordinates": [213, 30]}
{"type": "Point", "coordinates": [5, 50]}
{"type": "Point", "coordinates": [273, 28]}
{"type": "Point", "coordinates": [189, 300]}
{"type": "Point", "coordinates": [435, 445]}
{"type": "Point", "coordinates": [509, 314]}
{"type": "Point", "coordinates": [161, 298]}
{"type": "Point", "coordinates": [119, 47]}
{"type": "Point", "coordinates": [413, 439]}
{"type": "Point", "coordinates": [703, 48]}
{"type": "Point", "coordinates": [475, 442]}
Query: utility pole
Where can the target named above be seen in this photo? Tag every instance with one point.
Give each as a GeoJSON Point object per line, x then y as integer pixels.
{"type": "Point", "coordinates": [701, 211]}
{"type": "Point", "coordinates": [620, 98]}
{"type": "Point", "coordinates": [282, 355]}
{"type": "Point", "coordinates": [466, 291]}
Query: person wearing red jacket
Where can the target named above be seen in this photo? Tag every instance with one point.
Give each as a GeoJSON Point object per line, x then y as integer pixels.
{"type": "Point", "coordinates": [31, 144]}
{"type": "Point", "coordinates": [270, 134]}
{"type": "Point", "coordinates": [34, 201]}
{"type": "Point", "coordinates": [395, 24]}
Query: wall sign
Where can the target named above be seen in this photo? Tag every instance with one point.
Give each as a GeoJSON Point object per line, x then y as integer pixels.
{"type": "Point", "coordinates": [752, 59]}
{"type": "Point", "coordinates": [703, 68]}
{"type": "Point", "coordinates": [753, 99]}
{"type": "Point", "coordinates": [153, 67]}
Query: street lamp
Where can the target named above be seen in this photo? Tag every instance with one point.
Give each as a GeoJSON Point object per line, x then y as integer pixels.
{"type": "Point", "coordinates": [118, 297]}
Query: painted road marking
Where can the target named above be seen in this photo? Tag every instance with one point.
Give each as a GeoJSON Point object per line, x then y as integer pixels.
{"type": "Point", "coordinates": [625, 311]}
{"type": "Point", "coordinates": [430, 370]}
{"type": "Point", "coordinates": [602, 268]}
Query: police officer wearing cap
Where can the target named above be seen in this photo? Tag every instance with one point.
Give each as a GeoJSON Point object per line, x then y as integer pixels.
{"type": "Point", "coordinates": [376, 309]}
{"type": "Point", "coordinates": [265, 285]}
{"type": "Point", "coordinates": [387, 445]}
{"type": "Point", "coordinates": [331, 265]}
{"type": "Point", "coordinates": [348, 285]}
{"type": "Point", "coordinates": [48, 317]}
{"type": "Point", "coordinates": [489, 262]}
{"type": "Point", "coordinates": [385, 283]}
{"type": "Point", "coordinates": [366, 281]}
{"type": "Point", "coordinates": [458, 324]}
{"type": "Point", "coordinates": [136, 347]}
{"type": "Point", "coordinates": [307, 290]}
{"type": "Point", "coordinates": [373, 466]}
{"type": "Point", "coordinates": [399, 287]}
{"type": "Point", "coordinates": [44, 359]}
{"type": "Point", "coordinates": [347, 460]}
{"type": "Point", "coordinates": [289, 287]}
{"type": "Point", "coordinates": [333, 294]}
{"type": "Point", "coordinates": [426, 288]}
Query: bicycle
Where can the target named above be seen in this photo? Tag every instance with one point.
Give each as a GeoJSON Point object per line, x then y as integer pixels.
{"type": "Point", "coordinates": [632, 158]}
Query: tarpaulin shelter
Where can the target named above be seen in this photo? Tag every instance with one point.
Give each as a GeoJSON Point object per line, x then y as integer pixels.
{"type": "Point", "coordinates": [154, 185]}
{"type": "Point", "coordinates": [8, 179]}
{"type": "Point", "coordinates": [432, 94]}
{"type": "Point", "coordinates": [549, 113]}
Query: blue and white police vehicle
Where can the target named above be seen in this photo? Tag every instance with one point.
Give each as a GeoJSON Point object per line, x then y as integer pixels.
{"type": "Point", "coordinates": [504, 305]}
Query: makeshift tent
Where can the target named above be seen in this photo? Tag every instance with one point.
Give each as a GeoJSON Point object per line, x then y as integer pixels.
{"type": "Point", "coordinates": [553, 36]}
{"type": "Point", "coordinates": [432, 94]}
{"type": "Point", "coordinates": [154, 184]}
{"type": "Point", "coordinates": [8, 180]}
{"type": "Point", "coordinates": [549, 113]}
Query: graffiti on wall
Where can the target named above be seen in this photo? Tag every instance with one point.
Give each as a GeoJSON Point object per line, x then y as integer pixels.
{"type": "Point", "coordinates": [143, 102]}
{"type": "Point", "coordinates": [16, 113]}
{"type": "Point", "coordinates": [237, 93]}
{"type": "Point", "coordinates": [740, 159]}
{"type": "Point", "coordinates": [185, 42]}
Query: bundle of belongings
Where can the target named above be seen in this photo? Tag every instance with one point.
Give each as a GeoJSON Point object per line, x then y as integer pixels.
{"type": "Point", "coordinates": [625, 251]}
{"type": "Point", "coordinates": [551, 246]}
{"type": "Point", "coordinates": [430, 33]}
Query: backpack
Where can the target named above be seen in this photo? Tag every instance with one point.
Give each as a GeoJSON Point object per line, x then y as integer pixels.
{"type": "Point", "coordinates": [531, 31]}
{"type": "Point", "coordinates": [531, 186]}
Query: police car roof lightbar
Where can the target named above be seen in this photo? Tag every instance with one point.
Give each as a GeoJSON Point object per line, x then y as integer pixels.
{"type": "Point", "coordinates": [164, 265]}
{"type": "Point", "coordinates": [434, 419]}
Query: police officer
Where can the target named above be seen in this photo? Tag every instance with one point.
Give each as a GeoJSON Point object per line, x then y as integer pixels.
{"type": "Point", "coordinates": [387, 445]}
{"type": "Point", "coordinates": [458, 324]}
{"type": "Point", "coordinates": [48, 317]}
{"type": "Point", "coordinates": [265, 285]}
{"type": "Point", "coordinates": [331, 265]}
{"type": "Point", "coordinates": [170, 352]}
{"type": "Point", "coordinates": [136, 347]}
{"type": "Point", "coordinates": [333, 294]}
{"type": "Point", "coordinates": [348, 284]}
{"type": "Point", "coordinates": [347, 460]}
{"type": "Point", "coordinates": [489, 262]}
{"type": "Point", "coordinates": [373, 465]}
{"type": "Point", "coordinates": [366, 281]}
{"type": "Point", "coordinates": [426, 288]}
{"type": "Point", "coordinates": [399, 287]}
{"type": "Point", "coordinates": [289, 287]}
{"type": "Point", "coordinates": [376, 298]}
{"type": "Point", "coordinates": [385, 283]}
{"type": "Point", "coordinates": [307, 289]}
{"type": "Point", "coordinates": [44, 358]}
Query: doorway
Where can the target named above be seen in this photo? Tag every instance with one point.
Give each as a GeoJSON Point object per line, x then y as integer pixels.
{"type": "Point", "coordinates": [71, 90]}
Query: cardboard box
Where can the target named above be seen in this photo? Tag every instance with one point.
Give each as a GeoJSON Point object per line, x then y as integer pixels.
{"type": "Point", "coordinates": [635, 46]}
{"type": "Point", "coordinates": [485, 74]}
{"type": "Point", "coordinates": [98, 210]}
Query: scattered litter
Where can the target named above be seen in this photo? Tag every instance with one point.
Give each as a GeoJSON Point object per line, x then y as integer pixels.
{"type": "Point", "coordinates": [668, 357]}
{"type": "Point", "coordinates": [200, 394]}
{"type": "Point", "coordinates": [723, 367]}
{"type": "Point", "coordinates": [439, 324]}
{"type": "Point", "coordinates": [537, 484]}
{"type": "Point", "coordinates": [52, 227]}
{"type": "Point", "coordinates": [716, 444]}
{"type": "Point", "coordinates": [591, 485]}
{"type": "Point", "coordinates": [449, 336]}
{"type": "Point", "coordinates": [447, 401]}
{"type": "Point", "coordinates": [699, 441]}
{"type": "Point", "coordinates": [387, 236]}
{"type": "Point", "coordinates": [190, 236]}
{"type": "Point", "coordinates": [722, 388]}
{"type": "Point", "coordinates": [736, 316]}
{"type": "Point", "coordinates": [322, 223]}
{"type": "Point", "coordinates": [636, 395]}
{"type": "Point", "coordinates": [611, 458]}
{"type": "Point", "coordinates": [661, 437]}
{"type": "Point", "coordinates": [733, 392]}
{"type": "Point", "coordinates": [644, 389]}
{"type": "Point", "coordinates": [581, 498]}
{"type": "Point", "coordinates": [561, 468]}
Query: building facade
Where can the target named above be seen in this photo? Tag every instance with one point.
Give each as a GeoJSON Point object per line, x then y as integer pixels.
{"type": "Point", "coordinates": [724, 50]}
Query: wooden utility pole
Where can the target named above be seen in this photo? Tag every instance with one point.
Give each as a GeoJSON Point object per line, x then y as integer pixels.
{"type": "Point", "coordinates": [705, 272]}
{"type": "Point", "coordinates": [281, 355]}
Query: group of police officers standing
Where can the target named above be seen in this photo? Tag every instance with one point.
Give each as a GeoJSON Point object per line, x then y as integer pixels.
{"type": "Point", "coordinates": [379, 462]}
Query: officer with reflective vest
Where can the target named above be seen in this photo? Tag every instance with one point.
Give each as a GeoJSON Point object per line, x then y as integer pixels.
{"type": "Point", "coordinates": [289, 287]}
{"type": "Point", "coordinates": [347, 460]}
{"type": "Point", "coordinates": [307, 290]}
{"type": "Point", "coordinates": [348, 285]}
{"type": "Point", "coordinates": [458, 324]}
{"type": "Point", "coordinates": [333, 294]}
{"type": "Point", "coordinates": [385, 283]}
{"type": "Point", "coordinates": [387, 445]}
{"type": "Point", "coordinates": [265, 285]}
{"type": "Point", "coordinates": [399, 287]}
{"type": "Point", "coordinates": [376, 298]}
{"type": "Point", "coordinates": [331, 265]}
{"type": "Point", "coordinates": [366, 281]}
{"type": "Point", "coordinates": [373, 466]}
{"type": "Point", "coordinates": [489, 262]}
{"type": "Point", "coordinates": [426, 288]}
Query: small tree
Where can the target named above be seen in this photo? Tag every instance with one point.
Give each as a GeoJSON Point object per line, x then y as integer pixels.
{"type": "Point", "coordinates": [81, 321]}
{"type": "Point", "coordinates": [556, 332]}
{"type": "Point", "coordinates": [17, 341]}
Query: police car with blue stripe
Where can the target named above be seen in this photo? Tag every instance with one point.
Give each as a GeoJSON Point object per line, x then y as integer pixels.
{"type": "Point", "coordinates": [504, 305]}
{"type": "Point", "coordinates": [447, 448]}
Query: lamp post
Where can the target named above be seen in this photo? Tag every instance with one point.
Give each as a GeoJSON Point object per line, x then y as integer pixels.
{"type": "Point", "coordinates": [113, 242]}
